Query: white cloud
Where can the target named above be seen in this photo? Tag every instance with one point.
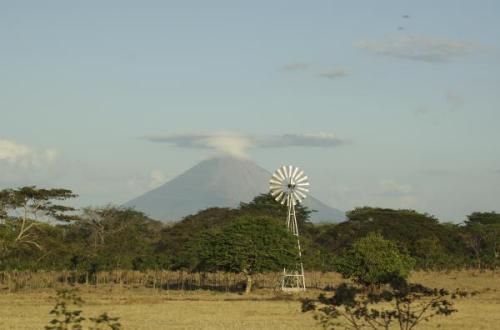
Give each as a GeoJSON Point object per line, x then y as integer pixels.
{"type": "Point", "coordinates": [17, 154]}
{"type": "Point", "coordinates": [236, 144]}
{"type": "Point", "coordinates": [333, 73]}
{"type": "Point", "coordinates": [421, 48]}
{"type": "Point", "coordinates": [229, 143]}
{"type": "Point", "coordinates": [157, 178]}
{"type": "Point", "coordinates": [225, 142]}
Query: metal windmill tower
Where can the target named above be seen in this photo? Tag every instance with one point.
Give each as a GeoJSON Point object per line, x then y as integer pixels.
{"type": "Point", "coordinates": [289, 186]}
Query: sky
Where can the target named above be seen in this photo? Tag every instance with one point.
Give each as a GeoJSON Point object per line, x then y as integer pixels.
{"type": "Point", "coordinates": [383, 103]}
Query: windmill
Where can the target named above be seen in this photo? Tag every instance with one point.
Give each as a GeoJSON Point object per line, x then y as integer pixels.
{"type": "Point", "coordinates": [288, 186]}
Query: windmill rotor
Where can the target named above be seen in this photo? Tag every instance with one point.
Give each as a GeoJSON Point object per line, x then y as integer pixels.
{"type": "Point", "coordinates": [289, 185]}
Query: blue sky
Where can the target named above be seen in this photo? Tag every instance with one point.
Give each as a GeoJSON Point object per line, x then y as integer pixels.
{"type": "Point", "coordinates": [410, 103]}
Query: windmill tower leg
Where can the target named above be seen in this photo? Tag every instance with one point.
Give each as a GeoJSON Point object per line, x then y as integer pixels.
{"type": "Point", "coordinates": [293, 279]}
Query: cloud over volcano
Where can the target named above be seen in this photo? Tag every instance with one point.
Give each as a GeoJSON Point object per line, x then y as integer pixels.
{"type": "Point", "coordinates": [236, 144]}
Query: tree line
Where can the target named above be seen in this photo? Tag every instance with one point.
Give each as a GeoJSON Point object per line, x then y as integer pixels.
{"type": "Point", "coordinates": [40, 231]}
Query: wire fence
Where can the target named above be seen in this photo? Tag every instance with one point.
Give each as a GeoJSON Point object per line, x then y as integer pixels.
{"type": "Point", "coordinates": [12, 281]}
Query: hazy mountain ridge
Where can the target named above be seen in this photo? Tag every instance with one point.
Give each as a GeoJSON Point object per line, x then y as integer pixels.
{"type": "Point", "coordinates": [222, 182]}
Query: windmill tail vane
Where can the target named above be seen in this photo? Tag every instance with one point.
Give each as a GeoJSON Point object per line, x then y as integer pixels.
{"type": "Point", "coordinates": [289, 186]}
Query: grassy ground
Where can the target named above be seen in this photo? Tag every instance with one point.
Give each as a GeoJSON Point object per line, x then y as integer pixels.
{"type": "Point", "coordinates": [149, 309]}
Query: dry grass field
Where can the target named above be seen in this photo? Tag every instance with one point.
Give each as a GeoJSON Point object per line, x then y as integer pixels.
{"type": "Point", "coordinates": [265, 309]}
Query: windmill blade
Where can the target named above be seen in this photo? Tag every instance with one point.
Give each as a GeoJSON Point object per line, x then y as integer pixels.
{"type": "Point", "coordinates": [293, 179]}
{"type": "Point", "coordinates": [285, 171]}
{"type": "Point", "coordinates": [290, 169]}
{"type": "Point", "coordinates": [276, 182]}
{"type": "Point", "coordinates": [303, 184]}
{"type": "Point", "coordinates": [279, 197]}
{"type": "Point", "coordinates": [275, 192]}
{"type": "Point", "coordinates": [301, 194]}
{"type": "Point", "coordinates": [297, 197]}
{"type": "Point", "coordinates": [305, 178]}
{"type": "Point", "coordinates": [275, 186]}
{"type": "Point", "coordinates": [277, 177]}
{"type": "Point", "coordinates": [299, 175]}
{"type": "Point", "coordinates": [284, 201]}
{"type": "Point", "coordinates": [303, 189]}
{"type": "Point", "coordinates": [280, 174]}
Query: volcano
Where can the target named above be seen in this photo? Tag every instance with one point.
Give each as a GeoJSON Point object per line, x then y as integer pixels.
{"type": "Point", "coordinates": [217, 182]}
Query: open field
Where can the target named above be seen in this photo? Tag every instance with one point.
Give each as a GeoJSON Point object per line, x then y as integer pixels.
{"type": "Point", "coordinates": [265, 309]}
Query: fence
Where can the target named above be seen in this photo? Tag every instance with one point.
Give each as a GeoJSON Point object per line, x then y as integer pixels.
{"type": "Point", "coordinates": [161, 279]}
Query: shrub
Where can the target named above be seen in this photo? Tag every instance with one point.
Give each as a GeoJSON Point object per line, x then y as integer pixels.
{"type": "Point", "coordinates": [400, 305]}
{"type": "Point", "coordinates": [373, 260]}
{"type": "Point", "coordinates": [67, 317]}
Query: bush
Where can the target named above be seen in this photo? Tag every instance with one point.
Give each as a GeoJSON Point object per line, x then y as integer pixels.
{"type": "Point", "coordinates": [400, 305]}
{"type": "Point", "coordinates": [68, 317]}
{"type": "Point", "coordinates": [373, 260]}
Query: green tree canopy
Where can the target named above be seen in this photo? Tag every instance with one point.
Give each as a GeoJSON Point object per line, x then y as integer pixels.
{"type": "Point", "coordinates": [266, 205]}
{"type": "Point", "coordinates": [373, 260]}
{"type": "Point", "coordinates": [175, 239]}
{"type": "Point", "coordinates": [483, 218]}
{"type": "Point", "coordinates": [112, 237]}
{"type": "Point", "coordinates": [247, 245]}
{"type": "Point", "coordinates": [35, 203]}
{"type": "Point", "coordinates": [409, 229]}
{"type": "Point", "coordinates": [481, 235]}
{"type": "Point", "coordinates": [21, 208]}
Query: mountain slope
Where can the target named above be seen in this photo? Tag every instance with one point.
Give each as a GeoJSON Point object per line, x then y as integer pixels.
{"type": "Point", "coordinates": [222, 182]}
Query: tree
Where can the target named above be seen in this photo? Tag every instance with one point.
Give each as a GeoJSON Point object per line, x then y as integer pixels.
{"type": "Point", "coordinates": [430, 254]}
{"type": "Point", "coordinates": [109, 237]}
{"type": "Point", "coordinates": [4, 204]}
{"type": "Point", "coordinates": [264, 204]}
{"type": "Point", "coordinates": [176, 239]}
{"type": "Point", "coordinates": [25, 205]}
{"type": "Point", "coordinates": [400, 305]}
{"type": "Point", "coordinates": [373, 260]}
{"type": "Point", "coordinates": [408, 229]}
{"type": "Point", "coordinates": [248, 245]}
{"type": "Point", "coordinates": [483, 218]}
{"type": "Point", "coordinates": [482, 235]}
{"type": "Point", "coordinates": [376, 263]}
{"type": "Point", "coordinates": [402, 226]}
